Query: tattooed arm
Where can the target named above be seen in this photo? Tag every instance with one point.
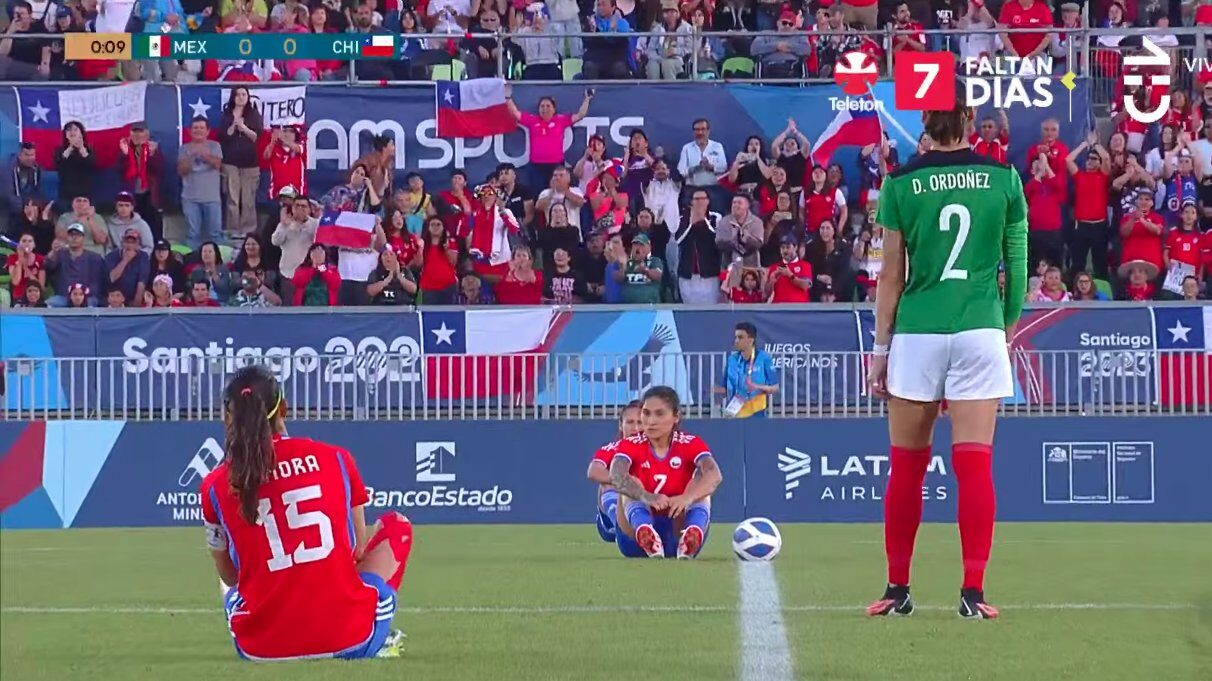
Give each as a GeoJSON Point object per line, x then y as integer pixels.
{"type": "Point", "coordinates": [707, 477]}
{"type": "Point", "coordinates": [628, 486]}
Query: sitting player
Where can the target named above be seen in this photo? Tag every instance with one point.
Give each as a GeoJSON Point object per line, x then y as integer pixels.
{"type": "Point", "coordinates": [285, 525]}
{"type": "Point", "coordinates": [599, 471]}
{"type": "Point", "coordinates": [665, 479]}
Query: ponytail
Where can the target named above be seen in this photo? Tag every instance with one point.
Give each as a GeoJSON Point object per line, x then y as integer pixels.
{"type": "Point", "coordinates": [252, 403]}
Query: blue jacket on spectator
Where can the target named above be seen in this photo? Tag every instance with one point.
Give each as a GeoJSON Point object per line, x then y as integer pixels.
{"type": "Point", "coordinates": [603, 26]}
{"type": "Point", "coordinates": [20, 183]}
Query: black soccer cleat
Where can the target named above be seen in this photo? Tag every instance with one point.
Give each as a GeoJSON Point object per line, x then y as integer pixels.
{"type": "Point", "coordinates": [895, 601]}
{"type": "Point", "coordinates": [973, 606]}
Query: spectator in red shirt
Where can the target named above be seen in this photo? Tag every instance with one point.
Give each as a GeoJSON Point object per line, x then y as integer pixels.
{"type": "Point", "coordinates": [1091, 199]}
{"type": "Point", "coordinates": [326, 69]}
{"type": "Point", "coordinates": [1045, 194]}
{"type": "Point", "coordinates": [744, 285]}
{"type": "Point", "coordinates": [1182, 255]}
{"type": "Point", "coordinates": [1025, 14]}
{"type": "Point", "coordinates": [1181, 114]}
{"type": "Point", "coordinates": [199, 295]}
{"type": "Point", "coordinates": [522, 285]}
{"type": "Point", "coordinates": [454, 205]}
{"type": "Point", "coordinates": [789, 280]}
{"type": "Point", "coordinates": [1140, 233]}
{"type": "Point", "coordinates": [287, 161]}
{"type": "Point", "coordinates": [316, 283]}
{"type": "Point", "coordinates": [1051, 145]}
{"type": "Point", "coordinates": [25, 265]}
{"type": "Point", "coordinates": [1139, 288]}
{"type": "Point", "coordinates": [439, 253]}
{"type": "Point", "coordinates": [822, 203]}
{"type": "Point", "coordinates": [908, 34]}
{"type": "Point", "coordinates": [992, 140]}
{"type": "Point", "coordinates": [161, 293]}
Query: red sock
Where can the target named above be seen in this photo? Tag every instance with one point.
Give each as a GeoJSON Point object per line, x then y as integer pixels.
{"type": "Point", "coordinates": [397, 532]}
{"type": "Point", "coordinates": [903, 510]}
{"type": "Point", "coordinates": [973, 464]}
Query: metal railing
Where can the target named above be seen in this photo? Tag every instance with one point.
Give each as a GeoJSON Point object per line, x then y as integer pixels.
{"type": "Point", "coordinates": [1084, 55]}
{"type": "Point", "coordinates": [386, 386]}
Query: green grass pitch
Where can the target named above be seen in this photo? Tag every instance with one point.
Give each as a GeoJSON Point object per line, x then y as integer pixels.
{"type": "Point", "coordinates": [1079, 601]}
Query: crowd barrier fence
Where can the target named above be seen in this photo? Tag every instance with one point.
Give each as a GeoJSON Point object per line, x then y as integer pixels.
{"type": "Point", "coordinates": [120, 474]}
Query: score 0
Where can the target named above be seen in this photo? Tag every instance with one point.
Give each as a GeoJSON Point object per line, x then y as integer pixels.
{"type": "Point", "coordinates": [84, 46]}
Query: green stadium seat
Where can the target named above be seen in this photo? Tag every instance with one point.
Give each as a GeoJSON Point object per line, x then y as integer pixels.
{"type": "Point", "coordinates": [225, 252]}
{"type": "Point", "coordinates": [571, 68]}
{"type": "Point", "coordinates": [453, 71]}
{"type": "Point", "coordinates": [738, 67]}
{"type": "Point", "coordinates": [1103, 286]}
{"type": "Point", "coordinates": [181, 250]}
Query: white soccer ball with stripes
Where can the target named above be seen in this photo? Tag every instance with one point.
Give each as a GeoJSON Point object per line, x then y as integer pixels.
{"type": "Point", "coordinates": [757, 539]}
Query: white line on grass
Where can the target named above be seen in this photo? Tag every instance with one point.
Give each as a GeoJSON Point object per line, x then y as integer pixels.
{"type": "Point", "coordinates": [855, 609]}
{"type": "Point", "coordinates": [764, 653]}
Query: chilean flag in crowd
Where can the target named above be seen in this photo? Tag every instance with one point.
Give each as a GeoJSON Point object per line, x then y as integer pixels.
{"type": "Point", "coordinates": [1184, 365]}
{"type": "Point", "coordinates": [472, 108]}
{"type": "Point", "coordinates": [105, 112]}
{"type": "Point", "coordinates": [848, 129]}
{"type": "Point", "coordinates": [482, 354]}
{"type": "Point", "coordinates": [345, 229]}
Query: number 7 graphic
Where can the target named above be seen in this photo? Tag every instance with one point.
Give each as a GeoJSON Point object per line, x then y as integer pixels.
{"type": "Point", "coordinates": [917, 82]}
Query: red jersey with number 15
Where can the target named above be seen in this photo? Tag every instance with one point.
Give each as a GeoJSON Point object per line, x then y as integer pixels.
{"type": "Point", "coordinates": [302, 595]}
{"type": "Point", "coordinates": [670, 474]}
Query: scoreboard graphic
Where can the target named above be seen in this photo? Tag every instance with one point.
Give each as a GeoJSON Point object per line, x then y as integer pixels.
{"type": "Point", "coordinates": [231, 46]}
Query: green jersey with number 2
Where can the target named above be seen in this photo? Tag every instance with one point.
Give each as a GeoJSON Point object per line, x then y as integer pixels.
{"type": "Point", "coordinates": [961, 215]}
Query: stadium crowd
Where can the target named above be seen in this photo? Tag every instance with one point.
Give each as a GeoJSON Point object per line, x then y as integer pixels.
{"type": "Point", "coordinates": [1120, 215]}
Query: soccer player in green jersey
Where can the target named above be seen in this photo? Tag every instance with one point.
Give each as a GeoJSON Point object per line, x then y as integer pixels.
{"type": "Point", "coordinates": [950, 218]}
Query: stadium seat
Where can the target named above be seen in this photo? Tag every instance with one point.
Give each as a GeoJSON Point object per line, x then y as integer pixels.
{"type": "Point", "coordinates": [5, 280]}
{"type": "Point", "coordinates": [1104, 287]}
{"type": "Point", "coordinates": [571, 68]}
{"type": "Point", "coordinates": [738, 67]}
{"type": "Point", "coordinates": [455, 70]}
{"type": "Point", "coordinates": [225, 252]}
{"type": "Point", "coordinates": [181, 250]}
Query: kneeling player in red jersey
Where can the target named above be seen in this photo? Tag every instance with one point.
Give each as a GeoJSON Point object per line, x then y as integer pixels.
{"type": "Point", "coordinates": [285, 525]}
{"type": "Point", "coordinates": [599, 471]}
{"type": "Point", "coordinates": [665, 479]}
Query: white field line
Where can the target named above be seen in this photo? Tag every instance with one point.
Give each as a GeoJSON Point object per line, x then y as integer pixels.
{"type": "Point", "coordinates": [764, 652]}
{"type": "Point", "coordinates": [855, 609]}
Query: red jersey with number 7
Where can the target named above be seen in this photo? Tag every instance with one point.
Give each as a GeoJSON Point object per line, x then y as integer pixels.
{"type": "Point", "coordinates": [302, 595]}
{"type": "Point", "coordinates": [670, 474]}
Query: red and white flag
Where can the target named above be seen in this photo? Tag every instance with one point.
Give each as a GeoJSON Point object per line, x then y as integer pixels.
{"type": "Point", "coordinates": [473, 108]}
{"type": "Point", "coordinates": [488, 354]}
{"type": "Point", "coordinates": [105, 112]}
{"type": "Point", "coordinates": [345, 230]}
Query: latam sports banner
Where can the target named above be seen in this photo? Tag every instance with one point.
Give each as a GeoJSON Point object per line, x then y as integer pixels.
{"type": "Point", "coordinates": [340, 122]}
{"type": "Point", "coordinates": [117, 474]}
{"type": "Point", "coordinates": [585, 356]}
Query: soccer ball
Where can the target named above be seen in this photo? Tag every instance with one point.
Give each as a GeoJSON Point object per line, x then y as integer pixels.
{"type": "Point", "coordinates": [757, 539]}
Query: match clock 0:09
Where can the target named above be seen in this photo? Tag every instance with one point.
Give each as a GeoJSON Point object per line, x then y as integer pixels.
{"type": "Point", "coordinates": [82, 46]}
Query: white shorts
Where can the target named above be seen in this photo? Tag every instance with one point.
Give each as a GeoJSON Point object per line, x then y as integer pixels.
{"type": "Point", "coordinates": [969, 365]}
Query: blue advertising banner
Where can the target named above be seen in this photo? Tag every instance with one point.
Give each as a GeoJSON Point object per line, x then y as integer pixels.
{"type": "Point", "coordinates": [1082, 356]}
{"type": "Point", "coordinates": [806, 355]}
{"type": "Point", "coordinates": [341, 122]}
{"type": "Point", "coordinates": [112, 474]}
{"type": "Point", "coordinates": [1066, 356]}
